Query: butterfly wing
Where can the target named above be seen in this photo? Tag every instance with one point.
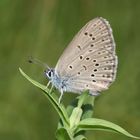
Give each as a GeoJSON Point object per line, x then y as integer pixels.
{"type": "Point", "coordinates": [89, 61]}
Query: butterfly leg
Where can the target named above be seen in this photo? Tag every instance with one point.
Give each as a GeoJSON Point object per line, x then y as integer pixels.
{"type": "Point", "coordinates": [51, 89]}
{"type": "Point", "coordinates": [47, 85]}
{"type": "Point", "coordinates": [60, 96]}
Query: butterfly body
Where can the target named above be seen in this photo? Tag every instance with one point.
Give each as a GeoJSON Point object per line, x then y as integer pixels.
{"type": "Point", "coordinates": [63, 84]}
{"type": "Point", "coordinates": [89, 62]}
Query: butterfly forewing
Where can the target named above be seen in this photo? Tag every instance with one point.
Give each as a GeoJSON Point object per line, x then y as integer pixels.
{"type": "Point", "coordinates": [89, 61]}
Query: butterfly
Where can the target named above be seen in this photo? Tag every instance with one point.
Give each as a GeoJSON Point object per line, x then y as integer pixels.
{"type": "Point", "coordinates": [88, 63]}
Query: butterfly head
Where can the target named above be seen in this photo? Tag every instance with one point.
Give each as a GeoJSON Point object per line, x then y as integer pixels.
{"type": "Point", "coordinates": [49, 73]}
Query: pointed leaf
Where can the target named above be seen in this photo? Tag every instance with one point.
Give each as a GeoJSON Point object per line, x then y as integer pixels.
{"type": "Point", "coordinates": [99, 124]}
{"type": "Point", "coordinates": [59, 107]}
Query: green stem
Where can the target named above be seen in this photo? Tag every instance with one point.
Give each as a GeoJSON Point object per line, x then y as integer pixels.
{"type": "Point", "coordinates": [82, 98]}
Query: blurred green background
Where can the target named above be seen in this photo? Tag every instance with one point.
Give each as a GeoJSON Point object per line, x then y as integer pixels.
{"type": "Point", "coordinates": [43, 28]}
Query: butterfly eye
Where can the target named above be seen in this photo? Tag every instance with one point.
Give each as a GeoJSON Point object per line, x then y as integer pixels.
{"type": "Point", "coordinates": [49, 73]}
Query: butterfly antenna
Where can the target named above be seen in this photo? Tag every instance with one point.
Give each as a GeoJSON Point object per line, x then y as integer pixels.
{"type": "Point", "coordinates": [38, 62]}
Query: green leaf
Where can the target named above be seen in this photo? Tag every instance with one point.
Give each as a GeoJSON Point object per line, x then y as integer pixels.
{"type": "Point", "coordinates": [75, 116]}
{"type": "Point", "coordinates": [63, 134]}
{"type": "Point", "coordinates": [82, 98]}
{"type": "Point", "coordinates": [59, 107]}
{"type": "Point", "coordinates": [99, 124]}
{"type": "Point", "coordinates": [80, 137]}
